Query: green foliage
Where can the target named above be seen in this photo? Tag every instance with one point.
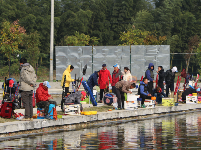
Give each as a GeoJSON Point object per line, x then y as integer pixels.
{"type": "Point", "coordinates": [31, 44]}
{"type": "Point", "coordinates": [133, 37]}
{"type": "Point", "coordinates": [138, 37]}
{"type": "Point", "coordinates": [105, 22]}
{"type": "Point", "coordinates": [10, 38]}
{"type": "Point", "coordinates": [80, 40]}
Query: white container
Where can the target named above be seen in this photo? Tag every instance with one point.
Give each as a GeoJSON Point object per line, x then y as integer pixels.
{"type": "Point", "coordinates": [132, 97]}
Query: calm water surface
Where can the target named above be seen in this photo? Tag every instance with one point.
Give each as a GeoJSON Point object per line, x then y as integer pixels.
{"type": "Point", "coordinates": [172, 132]}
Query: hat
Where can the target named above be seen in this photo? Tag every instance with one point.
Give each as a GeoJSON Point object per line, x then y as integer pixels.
{"type": "Point", "coordinates": [11, 82]}
{"type": "Point", "coordinates": [104, 65]}
{"type": "Point", "coordinates": [174, 69]}
{"type": "Point", "coordinates": [47, 84]}
{"type": "Point", "coordinates": [83, 93]}
{"type": "Point", "coordinates": [116, 65]}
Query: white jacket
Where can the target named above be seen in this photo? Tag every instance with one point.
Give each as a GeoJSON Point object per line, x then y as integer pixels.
{"type": "Point", "coordinates": [127, 76]}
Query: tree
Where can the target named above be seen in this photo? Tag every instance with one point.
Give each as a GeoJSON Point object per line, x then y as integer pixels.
{"type": "Point", "coordinates": [10, 38]}
{"type": "Point", "coordinates": [133, 36]}
{"type": "Point", "coordinates": [80, 40]}
{"type": "Point", "coordinates": [153, 40]}
{"type": "Point", "coordinates": [31, 43]}
{"type": "Point", "coordinates": [192, 47]}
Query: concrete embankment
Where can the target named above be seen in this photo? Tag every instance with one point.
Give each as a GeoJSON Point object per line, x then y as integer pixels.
{"type": "Point", "coordinates": [71, 122]}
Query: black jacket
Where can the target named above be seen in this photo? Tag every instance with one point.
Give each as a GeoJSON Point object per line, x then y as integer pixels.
{"type": "Point", "coordinates": [161, 77]}
{"type": "Point", "coordinates": [169, 77]}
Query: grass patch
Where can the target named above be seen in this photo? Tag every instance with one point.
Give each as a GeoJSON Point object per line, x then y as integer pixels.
{"type": "Point", "coordinates": [3, 120]}
{"type": "Point", "coordinates": [99, 109]}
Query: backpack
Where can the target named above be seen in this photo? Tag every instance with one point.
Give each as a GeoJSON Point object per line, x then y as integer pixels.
{"type": "Point", "coordinates": [6, 110]}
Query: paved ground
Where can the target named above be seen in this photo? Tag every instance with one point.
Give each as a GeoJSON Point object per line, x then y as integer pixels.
{"type": "Point", "coordinates": [58, 108]}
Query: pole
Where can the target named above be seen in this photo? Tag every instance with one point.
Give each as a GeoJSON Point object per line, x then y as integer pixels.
{"type": "Point", "coordinates": [51, 40]}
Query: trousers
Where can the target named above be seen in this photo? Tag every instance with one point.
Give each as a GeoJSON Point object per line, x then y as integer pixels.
{"type": "Point", "coordinates": [45, 105]}
{"type": "Point", "coordinates": [27, 103]}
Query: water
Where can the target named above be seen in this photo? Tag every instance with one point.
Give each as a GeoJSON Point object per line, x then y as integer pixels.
{"type": "Point", "coordinates": [172, 132]}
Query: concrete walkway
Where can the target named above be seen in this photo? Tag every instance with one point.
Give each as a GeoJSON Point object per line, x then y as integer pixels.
{"type": "Point", "coordinates": [71, 122]}
{"type": "Point", "coordinates": [58, 108]}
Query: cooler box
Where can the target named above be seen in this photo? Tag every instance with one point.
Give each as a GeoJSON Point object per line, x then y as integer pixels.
{"type": "Point", "coordinates": [132, 97]}
{"type": "Point", "coordinates": [40, 113]}
{"type": "Point", "coordinates": [50, 111]}
{"type": "Point", "coordinates": [191, 99]}
{"type": "Point", "coordinates": [168, 102]}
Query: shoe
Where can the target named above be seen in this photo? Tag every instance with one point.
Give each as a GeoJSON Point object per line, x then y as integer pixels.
{"type": "Point", "coordinates": [25, 119]}
{"type": "Point", "coordinates": [143, 106]}
{"type": "Point", "coordinates": [31, 119]}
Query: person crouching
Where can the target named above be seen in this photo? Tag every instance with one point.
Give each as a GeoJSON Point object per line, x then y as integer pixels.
{"type": "Point", "coordinates": [76, 98]}
{"type": "Point", "coordinates": [43, 98]}
{"type": "Point", "coordinates": [121, 88]}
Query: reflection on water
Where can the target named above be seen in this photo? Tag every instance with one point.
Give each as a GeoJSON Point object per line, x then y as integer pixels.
{"type": "Point", "coordinates": [173, 132]}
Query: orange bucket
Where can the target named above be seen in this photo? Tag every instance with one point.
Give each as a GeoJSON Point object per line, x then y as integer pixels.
{"type": "Point", "coordinates": [153, 98]}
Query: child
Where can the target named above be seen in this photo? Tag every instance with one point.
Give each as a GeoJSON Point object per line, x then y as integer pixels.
{"type": "Point", "coordinates": [158, 93]}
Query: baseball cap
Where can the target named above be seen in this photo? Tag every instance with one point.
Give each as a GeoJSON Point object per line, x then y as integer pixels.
{"type": "Point", "coordinates": [47, 84]}
{"type": "Point", "coordinates": [174, 69]}
{"type": "Point", "coordinates": [83, 93]}
{"type": "Point", "coordinates": [104, 65]}
{"type": "Point", "coordinates": [116, 65]}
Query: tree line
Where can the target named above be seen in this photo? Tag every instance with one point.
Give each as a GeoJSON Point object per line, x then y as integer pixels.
{"type": "Point", "coordinates": [104, 22]}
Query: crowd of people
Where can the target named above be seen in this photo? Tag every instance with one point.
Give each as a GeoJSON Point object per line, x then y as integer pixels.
{"type": "Point", "coordinates": [122, 81]}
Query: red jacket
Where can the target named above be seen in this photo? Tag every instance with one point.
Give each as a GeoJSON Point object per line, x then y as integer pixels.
{"type": "Point", "coordinates": [42, 94]}
{"type": "Point", "coordinates": [116, 76]}
{"type": "Point", "coordinates": [103, 78]}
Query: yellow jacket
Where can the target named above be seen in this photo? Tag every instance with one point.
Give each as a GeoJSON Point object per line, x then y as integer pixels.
{"type": "Point", "coordinates": [68, 77]}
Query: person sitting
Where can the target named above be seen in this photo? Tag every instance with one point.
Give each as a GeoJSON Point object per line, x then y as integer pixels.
{"type": "Point", "coordinates": [188, 91]}
{"type": "Point", "coordinates": [121, 88]}
{"type": "Point", "coordinates": [75, 98]}
{"type": "Point", "coordinates": [158, 92]}
{"type": "Point", "coordinates": [143, 91]}
{"type": "Point", "coordinates": [43, 98]}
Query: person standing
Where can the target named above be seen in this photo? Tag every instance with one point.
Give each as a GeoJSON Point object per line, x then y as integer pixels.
{"type": "Point", "coordinates": [144, 94]}
{"type": "Point", "coordinates": [116, 77]}
{"type": "Point", "coordinates": [127, 74]}
{"type": "Point", "coordinates": [93, 80]}
{"type": "Point", "coordinates": [27, 82]}
{"type": "Point", "coordinates": [121, 88]}
{"type": "Point", "coordinates": [150, 76]}
{"type": "Point", "coordinates": [161, 76]}
{"type": "Point", "coordinates": [103, 81]}
{"type": "Point", "coordinates": [66, 73]}
{"type": "Point", "coordinates": [169, 79]}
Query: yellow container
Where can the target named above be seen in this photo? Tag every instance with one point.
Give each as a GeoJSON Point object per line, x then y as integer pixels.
{"type": "Point", "coordinates": [59, 116]}
{"type": "Point", "coordinates": [195, 94]}
{"type": "Point", "coordinates": [168, 102]}
{"type": "Point", "coordinates": [87, 113]}
{"type": "Point", "coordinates": [82, 113]}
{"type": "Point", "coordinates": [199, 102]}
{"type": "Point", "coordinates": [93, 112]}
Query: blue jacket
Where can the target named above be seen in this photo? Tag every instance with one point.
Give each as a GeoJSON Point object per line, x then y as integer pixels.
{"type": "Point", "coordinates": [148, 73]}
{"type": "Point", "coordinates": [142, 88]}
{"type": "Point", "coordinates": [92, 81]}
